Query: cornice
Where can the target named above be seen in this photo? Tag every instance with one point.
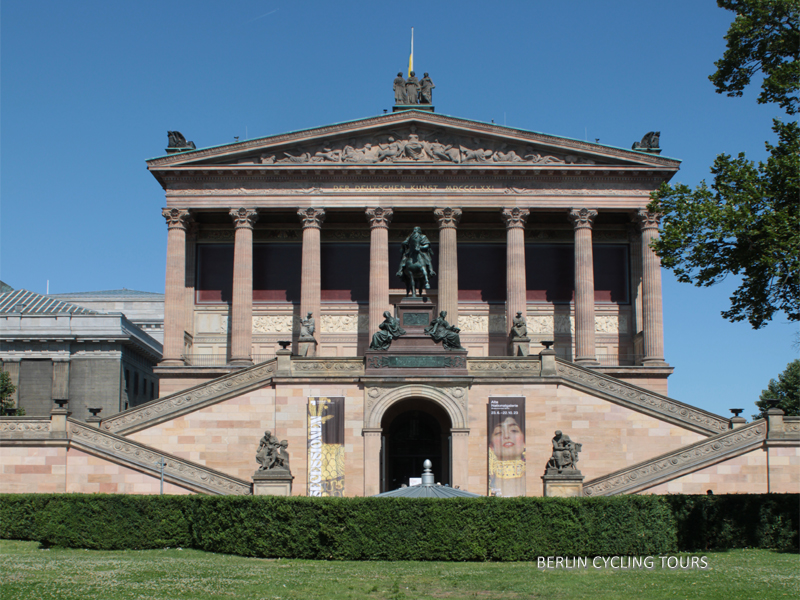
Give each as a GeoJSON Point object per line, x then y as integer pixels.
{"type": "Point", "coordinates": [411, 117]}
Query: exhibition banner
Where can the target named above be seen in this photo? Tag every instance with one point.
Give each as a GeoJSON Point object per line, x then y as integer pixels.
{"type": "Point", "coordinates": [326, 446]}
{"type": "Point", "coordinates": [506, 441]}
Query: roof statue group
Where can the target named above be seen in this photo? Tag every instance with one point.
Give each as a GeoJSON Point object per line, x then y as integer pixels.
{"type": "Point", "coordinates": [413, 90]}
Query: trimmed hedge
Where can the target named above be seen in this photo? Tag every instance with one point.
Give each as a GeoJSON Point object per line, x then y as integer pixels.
{"type": "Point", "coordinates": [494, 529]}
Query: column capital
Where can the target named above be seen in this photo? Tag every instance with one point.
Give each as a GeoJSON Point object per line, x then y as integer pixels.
{"type": "Point", "coordinates": [379, 217]}
{"type": "Point", "coordinates": [447, 217]}
{"type": "Point", "coordinates": [244, 217]}
{"type": "Point", "coordinates": [311, 217]}
{"type": "Point", "coordinates": [582, 218]}
{"type": "Point", "coordinates": [515, 218]}
{"type": "Point", "coordinates": [177, 218]}
{"type": "Point", "coordinates": [647, 219]}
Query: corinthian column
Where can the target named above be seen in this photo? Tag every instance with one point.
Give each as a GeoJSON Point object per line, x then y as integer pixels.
{"type": "Point", "coordinates": [310, 287]}
{"type": "Point", "coordinates": [242, 301]}
{"type": "Point", "coordinates": [585, 352]}
{"type": "Point", "coordinates": [653, 326]}
{"type": "Point", "coordinates": [516, 285]}
{"type": "Point", "coordinates": [448, 261]}
{"type": "Point", "coordinates": [379, 219]}
{"type": "Point", "coordinates": [177, 220]}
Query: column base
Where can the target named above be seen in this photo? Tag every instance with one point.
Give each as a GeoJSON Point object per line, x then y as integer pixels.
{"type": "Point", "coordinates": [654, 362]}
{"type": "Point", "coordinates": [172, 362]}
{"type": "Point", "coordinates": [587, 362]}
{"type": "Point", "coordinates": [567, 484]}
{"type": "Point", "coordinates": [241, 362]}
{"type": "Point", "coordinates": [272, 483]}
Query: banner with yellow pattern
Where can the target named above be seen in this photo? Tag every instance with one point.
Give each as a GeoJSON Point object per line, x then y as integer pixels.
{"type": "Point", "coordinates": [326, 446]}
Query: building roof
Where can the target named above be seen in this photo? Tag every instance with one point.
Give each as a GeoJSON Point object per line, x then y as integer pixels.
{"type": "Point", "coordinates": [31, 303]}
{"type": "Point", "coordinates": [123, 293]}
{"type": "Point", "coordinates": [427, 489]}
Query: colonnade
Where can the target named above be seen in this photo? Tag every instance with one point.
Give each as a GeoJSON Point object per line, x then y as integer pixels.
{"type": "Point", "coordinates": [379, 219]}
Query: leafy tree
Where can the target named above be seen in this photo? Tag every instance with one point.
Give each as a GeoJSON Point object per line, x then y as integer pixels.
{"type": "Point", "coordinates": [748, 222]}
{"type": "Point", "coordinates": [764, 37]}
{"type": "Point", "coordinates": [786, 389]}
{"type": "Point", "coordinates": [7, 390]}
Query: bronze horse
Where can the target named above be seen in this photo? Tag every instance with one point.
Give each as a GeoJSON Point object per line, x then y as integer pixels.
{"type": "Point", "coordinates": [414, 271]}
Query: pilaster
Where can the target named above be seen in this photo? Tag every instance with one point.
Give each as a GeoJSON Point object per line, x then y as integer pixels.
{"type": "Point", "coordinates": [516, 285]}
{"type": "Point", "coordinates": [174, 288]}
{"type": "Point", "coordinates": [585, 352]}
{"type": "Point", "coordinates": [242, 299]}
{"type": "Point", "coordinates": [460, 457]}
{"type": "Point", "coordinates": [652, 317]}
{"type": "Point", "coordinates": [448, 219]}
{"type": "Point", "coordinates": [372, 460]}
{"type": "Point", "coordinates": [379, 219]}
{"type": "Point", "coordinates": [60, 387]}
{"type": "Point", "coordinates": [310, 278]}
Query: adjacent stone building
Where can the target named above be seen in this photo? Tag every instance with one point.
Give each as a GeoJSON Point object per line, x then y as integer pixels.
{"type": "Point", "coordinates": [546, 230]}
{"type": "Point", "coordinates": [57, 350]}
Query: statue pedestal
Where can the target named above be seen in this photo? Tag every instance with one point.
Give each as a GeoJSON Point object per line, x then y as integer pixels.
{"type": "Point", "coordinates": [276, 482]}
{"type": "Point", "coordinates": [416, 354]}
{"type": "Point", "coordinates": [425, 107]}
{"type": "Point", "coordinates": [306, 346]}
{"type": "Point", "coordinates": [520, 346]}
{"type": "Point", "coordinates": [567, 484]}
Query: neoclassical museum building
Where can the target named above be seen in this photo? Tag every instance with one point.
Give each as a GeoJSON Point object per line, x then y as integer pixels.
{"type": "Point", "coordinates": [282, 260]}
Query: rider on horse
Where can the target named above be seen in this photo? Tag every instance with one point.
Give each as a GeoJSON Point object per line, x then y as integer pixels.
{"type": "Point", "coordinates": [420, 241]}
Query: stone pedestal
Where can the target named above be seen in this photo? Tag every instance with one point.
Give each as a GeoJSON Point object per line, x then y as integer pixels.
{"type": "Point", "coordinates": [520, 346]}
{"type": "Point", "coordinates": [416, 354]}
{"type": "Point", "coordinates": [566, 484]}
{"type": "Point", "coordinates": [307, 347]}
{"type": "Point", "coordinates": [272, 483]}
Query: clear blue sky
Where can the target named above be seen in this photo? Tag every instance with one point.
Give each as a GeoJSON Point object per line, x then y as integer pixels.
{"type": "Point", "coordinates": [90, 88]}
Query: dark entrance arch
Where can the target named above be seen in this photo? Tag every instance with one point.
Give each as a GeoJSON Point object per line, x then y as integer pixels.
{"type": "Point", "coordinates": [414, 430]}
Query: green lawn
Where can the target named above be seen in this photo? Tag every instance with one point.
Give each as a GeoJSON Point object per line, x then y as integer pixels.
{"type": "Point", "coordinates": [29, 572]}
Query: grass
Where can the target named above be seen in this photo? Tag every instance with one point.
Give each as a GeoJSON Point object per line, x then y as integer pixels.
{"type": "Point", "coordinates": [29, 572]}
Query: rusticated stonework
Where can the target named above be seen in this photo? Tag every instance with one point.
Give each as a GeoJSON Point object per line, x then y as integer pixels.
{"type": "Point", "coordinates": [694, 457]}
{"type": "Point", "coordinates": [634, 397]}
{"type": "Point", "coordinates": [169, 407]}
{"type": "Point", "coordinates": [145, 458]}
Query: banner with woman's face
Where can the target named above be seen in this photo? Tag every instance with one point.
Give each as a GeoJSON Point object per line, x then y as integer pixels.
{"type": "Point", "coordinates": [506, 436]}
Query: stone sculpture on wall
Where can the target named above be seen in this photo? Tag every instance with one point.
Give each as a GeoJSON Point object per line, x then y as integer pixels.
{"type": "Point", "coordinates": [388, 331]}
{"type": "Point", "coordinates": [565, 455]}
{"type": "Point", "coordinates": [307, 328]}
{"type": "Point", "coordinates": [272, 455]}
{"type": "Point", "coordinates": [441, 331]}
{"type": "Point", "coordinates": [519, 328]}
{"type": "Point", "coordinates": [649, 142]}
{"type": "Point", "coordinates": [416, 145]}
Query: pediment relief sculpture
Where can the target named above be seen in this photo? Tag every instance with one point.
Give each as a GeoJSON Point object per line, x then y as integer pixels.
{"type": "Point", "coordinates": [417, 146]}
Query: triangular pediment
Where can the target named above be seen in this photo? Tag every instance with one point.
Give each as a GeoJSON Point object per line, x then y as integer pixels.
{"type": "Point", "coordinates": [414, 138]}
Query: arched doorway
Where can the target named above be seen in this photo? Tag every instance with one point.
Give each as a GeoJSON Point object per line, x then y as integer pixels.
{"type": "Point", "coordinates": [414, 430]}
